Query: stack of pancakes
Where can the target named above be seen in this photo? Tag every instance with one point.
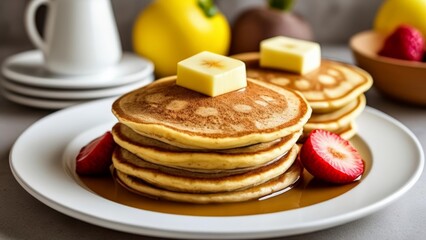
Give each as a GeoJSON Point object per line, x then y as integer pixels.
{"type": "Point", "coordinates": [335, 91]}
{"type": "Point", "coordinates": [181, 145]}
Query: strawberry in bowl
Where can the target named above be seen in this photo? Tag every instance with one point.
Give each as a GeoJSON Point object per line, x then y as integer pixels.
{"type": "Point", "coordinates": [405, 43]}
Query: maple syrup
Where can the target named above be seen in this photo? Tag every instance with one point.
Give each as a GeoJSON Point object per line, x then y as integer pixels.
{"type": "Point", "coordinates": [306, 192]}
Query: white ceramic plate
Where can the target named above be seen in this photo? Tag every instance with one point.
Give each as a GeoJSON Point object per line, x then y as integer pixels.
{"type": "Point", "coordinates": [73, 94]}
{"type": "Point", "coordinates": [36, 163]}
{"type": "Point", "coordinates": [39, 102]}
{"type": "Point", "coordinates": [67, 99]}
{"type": "Point", "coordinates": [27, 68]}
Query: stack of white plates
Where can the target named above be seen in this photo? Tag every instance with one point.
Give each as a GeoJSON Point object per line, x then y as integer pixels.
{"type": "Point", "coordinates": [28, 83]}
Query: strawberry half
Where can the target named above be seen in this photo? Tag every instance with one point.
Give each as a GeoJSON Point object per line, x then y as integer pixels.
{"type": "Point", "coordinates": [95, 158]}
{"type": "Point", "coordinates": [331, 158]}
{"type": "Point", "coordinates": [406, 43]}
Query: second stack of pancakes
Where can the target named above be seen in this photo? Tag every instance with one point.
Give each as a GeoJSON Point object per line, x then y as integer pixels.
{"type": "Point", "coordinates": [180, 145]}
{"type": "Point", "coordinates": [335, 91]}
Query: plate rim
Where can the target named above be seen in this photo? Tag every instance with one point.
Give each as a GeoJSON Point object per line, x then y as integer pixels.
{"type": "Point", "coordinates": [39, 102]}
{"type": "Point", "coordinates": [71, 94]}
{"type": "Point", "coordinates": [61, 84]}
{"type": "Point", "coordinates": [215, 231]}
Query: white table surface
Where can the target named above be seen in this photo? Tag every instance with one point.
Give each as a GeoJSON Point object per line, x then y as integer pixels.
{"type": "Point", "coordinates": [24, 217]}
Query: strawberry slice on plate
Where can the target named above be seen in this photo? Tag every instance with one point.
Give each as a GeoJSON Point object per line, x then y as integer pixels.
{"type": "Point", "coordinates": [95, 158]}
{"type": "Point", "coordinates": [331, 158]}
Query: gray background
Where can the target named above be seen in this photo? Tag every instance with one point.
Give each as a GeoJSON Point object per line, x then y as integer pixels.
{"type": "Point", "coordinates": [333, 21]}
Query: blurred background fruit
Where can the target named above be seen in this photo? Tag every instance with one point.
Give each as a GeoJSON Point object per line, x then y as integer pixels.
{"type": "Point", "coordinates": [393, 13]}
{"type": "Point", "coordinates": [406, 43]}
{"type": "Point", "coordinates": [168, 31]}
{"type": "Point", "coordinates": [258, 23]}
{"type": "Point", "coordinates": [398, 79]}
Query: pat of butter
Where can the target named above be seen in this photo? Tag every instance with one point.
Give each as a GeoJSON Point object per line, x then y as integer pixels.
{"type": "Point", "coordinates": [290, 54]}
{"type": "Point", "coordinates": [211, 74]}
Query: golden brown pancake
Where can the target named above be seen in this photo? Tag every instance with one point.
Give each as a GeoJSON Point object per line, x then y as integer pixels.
{"type": "Point", "coordinates": [330, 87]}
{"type": "Point", "coordinates": [349, 131]}
{"type": "Point", "coordinates": [181, 180]}
{"type": "Point", "coordinates": [201, 159]}
{"type": "Point", "coordinates": [280, 183]}
{"type": "Point", "coordinates": [338, 119]}
{"type": "Point", "coordinates": [181, 117]}
{"type": "Point", "coordinates": [346, 132]}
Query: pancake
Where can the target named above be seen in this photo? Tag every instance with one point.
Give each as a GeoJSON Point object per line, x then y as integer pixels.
{"type": "Point", "coordinates": [333, 121]}
{"type": "Point", "coordinates": [346, 132]}
{"type": "Point", "coordinates": [194, 182]}
{"type": "Point", "coordinates": [201, 159]}
{"type": "Point", "coordinates": [330, 87]}
{"type": "Point", "coordinates": [280, 183]}
{"type": "Point", "coordinates": [181, 117]}
{"type": "Point", "coordinates": [349, 131]}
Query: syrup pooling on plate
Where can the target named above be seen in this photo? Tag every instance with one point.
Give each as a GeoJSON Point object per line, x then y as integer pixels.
{"type": "Point", "coordinates": [306, 192]}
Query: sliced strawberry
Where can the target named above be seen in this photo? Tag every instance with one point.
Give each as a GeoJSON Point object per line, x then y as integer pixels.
{"type": "Point", "coordinates": [95, 158]}
{"type": "Point", "coordinates": [331, 158]}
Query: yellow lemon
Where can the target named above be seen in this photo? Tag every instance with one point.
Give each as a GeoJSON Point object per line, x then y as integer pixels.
{"type": "Point", "coordinates": [393, 13]}
{"type": "Point", "coordinates": [168, 31]}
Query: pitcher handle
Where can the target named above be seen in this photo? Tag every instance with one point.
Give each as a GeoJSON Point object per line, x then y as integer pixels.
{"type": "Point", "coordinates": [30, 23]}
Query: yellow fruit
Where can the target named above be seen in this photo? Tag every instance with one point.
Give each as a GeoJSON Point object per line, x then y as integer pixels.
{"type": "Point", "coordinates": [393, 13]}
{"type": "Point", "coordinates": [168, 31]}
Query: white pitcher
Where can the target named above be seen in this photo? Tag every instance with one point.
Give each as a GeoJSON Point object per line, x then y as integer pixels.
{"type": "Point", "coordinates": [80, 36]}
